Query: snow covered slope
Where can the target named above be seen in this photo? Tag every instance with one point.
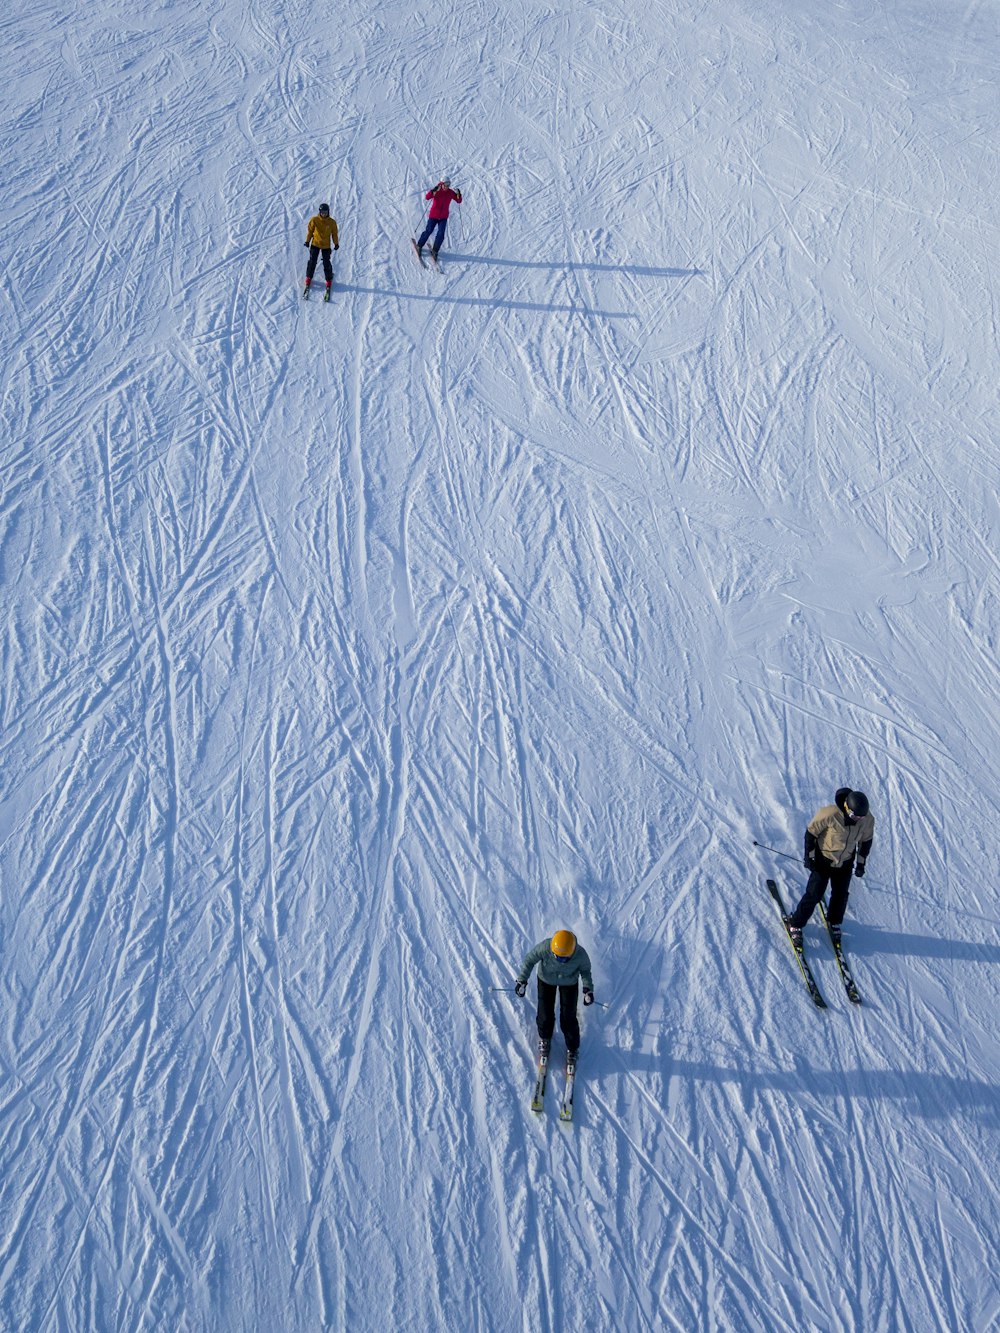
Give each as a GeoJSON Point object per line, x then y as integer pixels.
{"type": "Point", "coordinates": [348, 650]}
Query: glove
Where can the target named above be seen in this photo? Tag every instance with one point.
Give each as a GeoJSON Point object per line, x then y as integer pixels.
{"type": "Point", "coordinates": [588, 997]}
{"type": "Point", "coordinates": [520, 989]}
{"type": "Point", "coordinates": [306, 244]}
{"type": "Point", "coordinates": [859, 870]}
{"type": "Point", "coordinates": [809, 861]}
{"type": "Point", "coordinates": [336, 247]}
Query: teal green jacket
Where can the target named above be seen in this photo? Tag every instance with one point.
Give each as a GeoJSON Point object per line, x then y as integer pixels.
{"type": "Point", "coordinates": [557, 971]}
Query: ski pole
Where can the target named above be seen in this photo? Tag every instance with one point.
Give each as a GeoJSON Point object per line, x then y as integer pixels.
{"type": "Point", "coordinates": [764, 848]}
{"type": "Point", "coordinates": [788, 857]}
{"type": "Point", "coordinates": [505, 989]}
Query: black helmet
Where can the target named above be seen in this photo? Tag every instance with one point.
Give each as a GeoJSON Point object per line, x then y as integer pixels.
{"type": "Point", "coordinates": [856, 804]}
{"type": "Point", "coordinates": [324, 208]}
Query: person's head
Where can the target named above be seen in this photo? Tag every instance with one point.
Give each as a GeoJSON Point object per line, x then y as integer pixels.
{"type": "Point", "coordinates": [324, 210]}
{"type": "Point", "coordinates": [446, 182]}
{"type": "Point", "coordinates": [855, 806]}
{"type": "Point", "coordinates": [563, 944]}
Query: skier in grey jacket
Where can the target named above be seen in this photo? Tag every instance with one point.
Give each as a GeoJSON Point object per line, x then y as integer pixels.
{"type": "Point", "coordinates": [562, 965]}
{"type": "Point", "coordinates": [835, 836]}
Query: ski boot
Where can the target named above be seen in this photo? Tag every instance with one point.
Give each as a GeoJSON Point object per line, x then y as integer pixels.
{"type": "Point", "coordinates": [326, 294]}
{"type": "Point", "coordinates": [794, 932]}
{"type": "Point", "coordinates": [544, 1046]}
{"type": "Point", "coordinates": [571, 1057]}
{"type": "Point", "coordinates": [835, 932]}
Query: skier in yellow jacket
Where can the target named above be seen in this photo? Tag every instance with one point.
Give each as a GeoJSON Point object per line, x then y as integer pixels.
{"type": "Point", "coordinates": [320, 235]}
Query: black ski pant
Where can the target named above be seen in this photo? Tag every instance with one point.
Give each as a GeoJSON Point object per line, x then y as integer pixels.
{"type": "Point", "coordinates": [839, 880]}
{"type": "Point", "coordinates": [314, 254]}
{"type": "Point", "coordinates": [545, 1019]}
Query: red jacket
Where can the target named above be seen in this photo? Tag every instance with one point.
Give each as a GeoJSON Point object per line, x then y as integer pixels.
{"type": "Point", "coordinates": [442, 198]}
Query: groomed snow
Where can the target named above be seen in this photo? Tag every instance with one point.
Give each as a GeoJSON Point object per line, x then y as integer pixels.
{"type": "Point", "coordinates": [350, 649]}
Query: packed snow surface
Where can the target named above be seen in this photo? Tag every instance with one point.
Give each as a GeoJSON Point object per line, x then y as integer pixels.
{"type": "Point", "coordinates": [348, 650]}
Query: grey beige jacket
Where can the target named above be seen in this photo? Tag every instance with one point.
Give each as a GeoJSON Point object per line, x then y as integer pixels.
{"type": "Point", "coordinates": [837, 840]}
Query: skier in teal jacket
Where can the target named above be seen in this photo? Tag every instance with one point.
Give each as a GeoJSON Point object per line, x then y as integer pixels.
{"type": "Point", "coordinates": [562, 965]}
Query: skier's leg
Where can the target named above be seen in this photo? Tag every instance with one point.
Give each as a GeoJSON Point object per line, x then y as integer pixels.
{"type": "Point", "coordinates": [545, 1018]}
{"type": "Point", "coordinates": [441, 224]}
{"type": "Point", "coordinates": [311, 266]}
{"type": "Point", "coordinates": [815, 888]}
{"type": "Point", "coordinates": [422, 238]}
{"type": "Point", "coordinates": [569, 1019]}
{"type": "Point", "coordinates": [327, 266]}
{"type": "Point", "coordinates": [840, 887]}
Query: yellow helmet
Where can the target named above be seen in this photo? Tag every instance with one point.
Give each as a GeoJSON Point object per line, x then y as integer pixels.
{"type": "Point", "coordinates": [563, 944]}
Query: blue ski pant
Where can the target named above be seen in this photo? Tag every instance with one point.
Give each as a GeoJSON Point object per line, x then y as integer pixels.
{"type": "Point", "coordinates": [839, 880]}
{"type": "Point", "coordinates": [440, 224]}
{"type": "Point", "coordinates": [545, 1018]}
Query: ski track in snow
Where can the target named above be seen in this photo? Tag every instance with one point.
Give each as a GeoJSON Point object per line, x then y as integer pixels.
{"type": "Point", "coordinates": [352, 648]}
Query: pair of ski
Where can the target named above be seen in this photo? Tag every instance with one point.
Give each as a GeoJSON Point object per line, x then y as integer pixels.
{"type": "Point", "coordinates": [420, 259]}
{"type": "Point", "coordinates": [326, 294]}
{"type": "Point", "coordinates": [850, 989]}
{"type": "Point", "coordinates": [541, 1079]}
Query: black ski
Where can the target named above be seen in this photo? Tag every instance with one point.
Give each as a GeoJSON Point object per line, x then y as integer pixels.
{"type": "Point", "coordinates": [845, 972]}
{"type": "Point", "coordinates": [538, 1098]}
{"type": "Point", "coordinates": [798, 950]}
{"type": "Point", "coordinates": [305, 294]}
{"type": "Point", "coordinates": [420, 258]}
{"type": "Point", "coordinates": [566, 1110]}
{"type": "Point", "coordinates": [326, 294]}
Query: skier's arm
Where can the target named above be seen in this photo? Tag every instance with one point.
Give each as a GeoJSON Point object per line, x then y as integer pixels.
{"type": "Point", "coordinates": [532, 957]}
{"type": "Point", "coordinates": [864, 848]}
{"type": "Point", "coordinates": [586, 978]}
{"type": "Point", "coordinates": [309, 232]}
{"type": "Point", "coordinates": [810, 849]}
{"type": "Point", "coordinates": [336, 234]}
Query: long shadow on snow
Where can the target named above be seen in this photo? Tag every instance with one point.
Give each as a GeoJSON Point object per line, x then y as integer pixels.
{"type": "Point", "coordinates": [492, 302]}
{"type": "Point", "coordinates": [567, 266]}
{"type": "Point", "coordinates": [869, 942]}
{"type": "Point", "coordinates": [930, 1096]}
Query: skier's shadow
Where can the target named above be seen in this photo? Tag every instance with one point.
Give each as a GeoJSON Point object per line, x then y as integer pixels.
{"type": "Point", "coordinates": [924, 1093]}
{"type": "Point", "coordinates": [931, 1096]}
{"type": "Point", "coordinates": [869, 941]}
{"type": "Point", "coordinates": [586, 266]}
{"type": "Point", "coordinates": [490, 302]}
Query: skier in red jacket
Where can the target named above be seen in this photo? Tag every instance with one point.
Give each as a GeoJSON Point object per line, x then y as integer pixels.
{"type": "Point", "coordinates": [442, 196]}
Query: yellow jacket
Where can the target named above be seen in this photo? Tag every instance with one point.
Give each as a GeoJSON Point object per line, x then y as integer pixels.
{"type": "Point", "coordinates": [322, 232]}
